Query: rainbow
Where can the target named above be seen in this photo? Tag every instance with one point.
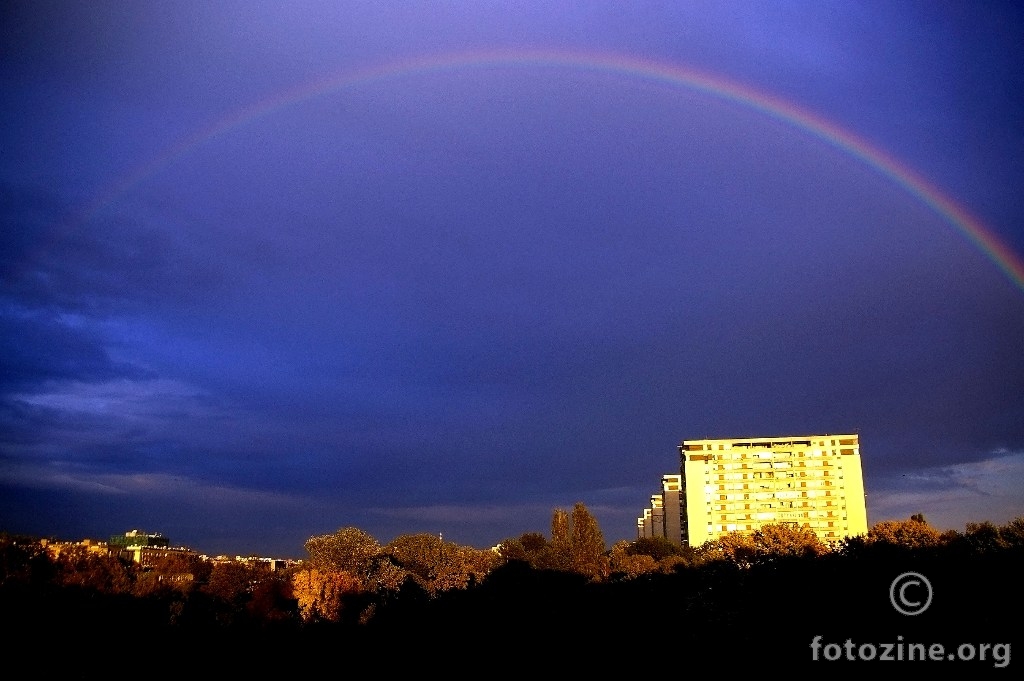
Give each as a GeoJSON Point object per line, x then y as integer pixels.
{"type": "Point", "coordinates": [976, 232]}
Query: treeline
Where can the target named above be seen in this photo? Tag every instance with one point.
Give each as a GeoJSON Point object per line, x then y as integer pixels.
{"type": "Point", "coordinates": [780, 584]}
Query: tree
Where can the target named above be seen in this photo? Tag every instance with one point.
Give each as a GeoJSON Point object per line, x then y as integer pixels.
{"type": "Point", "coordinates": [655, 547]}
{"type": "Point", "coordinates": [586, 543]}
{"type": "Point", "coordinates": [350, 550]}
{"type": "Point", "coordinates": [984, 537]}
{"type": "Point", "coordinates": [102, 572]}
{"type": "Point", "coordinates": [512, 549]}
{"type": "Point", "coordinates": [529, 547]}
{"type": "Point", "coordinates": [533, 542]}
{"type": "Point", "coordinates": [779, 540]}
{"type": "Point", "coordinates": [769, 542]}
{"type": "Point", "coordinates": [1013, 533]}
{"type": "Point", "coordinates": [557, 553]}
{"type": "Point", "coordinates": [230, 582]}
{"type": "Point", "coordinates": [577, 544]}
{"type": "Point", "coordinates": [273, 600]}
{"type": "Point", "coordinates": [734, 547]}
{"type": "Point", "coordinates": [915, 533]}
{"type": "Point", "coordinates": [24, 560]}
{"type": "Point", "coordinates": [390, 577]}
{"type": "Point", "coordinates": [421, 556]}
{"type": "Point", "coordinates": [626, 562]}
{"type": "Point", "coordinates": [560, 524]}
{"type": "Point", "coordinates": [174, 571]}
{"type": "Point", "coordinates": [438, 565]}
{"type": "Point", "coordinates": [320, 594]}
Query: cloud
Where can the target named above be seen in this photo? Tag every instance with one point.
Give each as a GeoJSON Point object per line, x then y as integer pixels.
{"type": "Point", "coordinates": [992, 489]}
{"type": "Point", "coordinates": [449, 514]}
{"type": "Point", "coordinates": [42, 345]}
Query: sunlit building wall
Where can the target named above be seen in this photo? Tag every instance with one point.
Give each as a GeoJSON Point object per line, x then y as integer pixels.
{"type": "Point", "coordinates": [643, 525]}
{"type": "Point", "coordinates": [149, 556]}
{"type": "Point", "coordinates": [657, 516]}
{"type": "Point", "coordinates": [56, 548]}
{"type": "Point", "coordinates": [741, 484]}
{"type": "Point", "coordinates": [663, 518]}
{"type": "Point", "coordinates": [671, 493]}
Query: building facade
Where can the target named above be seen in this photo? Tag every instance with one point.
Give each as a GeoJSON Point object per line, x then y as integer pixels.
{"type": "Point", "coordinates": [138, 538]}
{"type": "Point", "coordinates": [738, 485]}
{"type": "Point", "coordinates": [664, 518]}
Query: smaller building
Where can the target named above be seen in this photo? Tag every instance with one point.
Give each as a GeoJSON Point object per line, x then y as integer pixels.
{"type": "Point", "coordinates": [148, 556]}
{"type": "Point", "coordinates": [145, 549]}
{"type": "Point", "coordinates": [138, 538]}
{"type": "Point", "coordinates": [56, 548]}
{"type": "Point", "coordinates": [664, 518]}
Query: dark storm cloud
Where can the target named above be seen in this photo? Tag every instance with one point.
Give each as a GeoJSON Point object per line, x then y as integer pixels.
{"type": "Point", "coordinates": [54, 260]}
{"type": "Point", "coordinates": [456, 298]}
{"type": "Point", "coordinates": [39, 347]}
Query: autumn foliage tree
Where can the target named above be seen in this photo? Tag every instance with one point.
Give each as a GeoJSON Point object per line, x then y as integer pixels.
{"type": "Point", "coordinates": [341, 566]}
{"type": "Point", "coordinates": [587, 544]}
{"type": "Point", "coordinates": [321, 593]}
{"type": "Point", "coordinates": [914, 533]}
{"type": "Point", "coordinates": [624, 562]}
{"type": "Point", "coordinates": [778, 540]}
{"type": "Point", "coordinates": [558, 554]}
{"type": "Point", "coordinates": [104, 573]}
{"type": "Point", "coordinates": [348, 550]}
{"type": "Point", "coordinates": [576, 545]}
{"type": "Point", "coordinates": [769, 542]}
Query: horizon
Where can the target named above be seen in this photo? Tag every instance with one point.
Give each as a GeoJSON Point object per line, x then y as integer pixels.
{"type": "Point", "coordinates": [545, 532]}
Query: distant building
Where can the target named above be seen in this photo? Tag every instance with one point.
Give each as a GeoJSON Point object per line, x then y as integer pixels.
{"type": "Point", "coordinates": [145, 549]}
{"type": "Point", "coordinates": [138, 538]}
{"type": "Point", "coordinates": [149, 556]}
{"type": "Point", "coordinates": [90, 546]}
{"type": "Point", "coordinates": [738, 485]}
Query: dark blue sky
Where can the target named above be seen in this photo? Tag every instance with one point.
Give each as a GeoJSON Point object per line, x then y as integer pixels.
{"type": "Point", "coordinates": [242, 307]}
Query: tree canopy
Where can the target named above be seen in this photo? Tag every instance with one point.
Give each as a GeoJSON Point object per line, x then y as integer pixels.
{"type": "Point", "coordinates": [350, 550]}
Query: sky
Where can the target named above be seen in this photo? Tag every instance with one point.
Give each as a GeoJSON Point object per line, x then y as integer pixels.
{"type": "Point", "coordinates": [271, 269]}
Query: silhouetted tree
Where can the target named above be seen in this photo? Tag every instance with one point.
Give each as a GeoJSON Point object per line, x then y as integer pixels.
{"type": "Point", "coordinates": [625, 563]}
{"type": "Point", "coordinates": [231, 582]}
{"type": "Point", "coordinates": [529, 548]}
{"type": "Point", "coordinates": [655, 547]}
{"type": "Point", "coordinates": [24, 561]}
{"type": "Point", "coordinates": [1012, 533]}
{"type": "Point", "coordinates": [272, 601]}
{"type": "Point", "coordinates": [102, 572]}
{"type": "Point", "coordinates": [984, 538]}
{"type": "Point", "coordinates": [512, 549]}
{"type": "Point", "coordinates": [533, 542]}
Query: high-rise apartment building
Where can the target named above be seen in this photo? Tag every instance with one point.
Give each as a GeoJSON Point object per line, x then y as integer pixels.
{"type": "Point", "coordinates": [741, 484]}
{"type": "Point", "coordinates": [664, 517]}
